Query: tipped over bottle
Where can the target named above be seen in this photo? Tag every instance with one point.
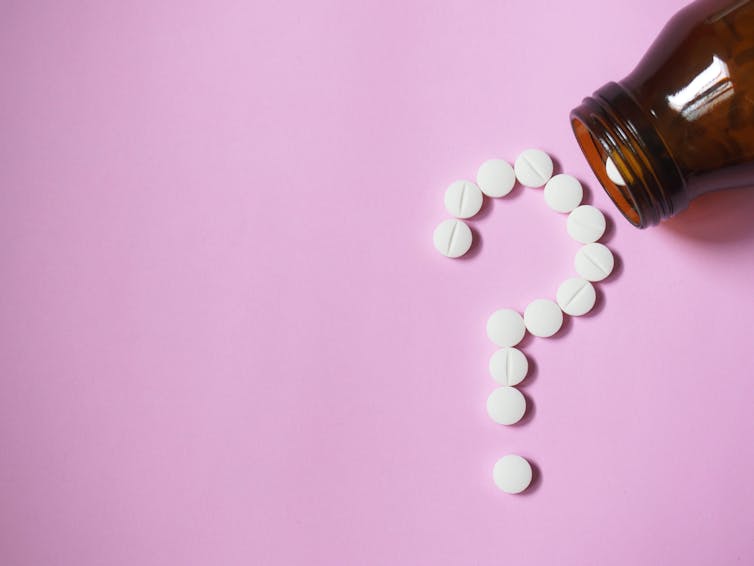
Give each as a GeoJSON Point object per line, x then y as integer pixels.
{"type": "Point", "coordinates": [682, 123]}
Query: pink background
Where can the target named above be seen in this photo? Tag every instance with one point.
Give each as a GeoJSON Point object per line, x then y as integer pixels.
{"type": "Point", "coordinates": [226, 337]}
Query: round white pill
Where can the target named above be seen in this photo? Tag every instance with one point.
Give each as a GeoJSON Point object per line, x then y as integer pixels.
{"type": "Point", "coordinates": [613, 173]}
{"type": "Point", "coordinates": [563, 193]}
{"type": "Point", "coordinates": [512, 474]}
{"type": "Point", "coordinates": [506, 405]}
{"type": "Point", "coordinates": [509, 366]}
{"type": "Point", "coordinates": [533, 168]}
{"type": "Point", "coordinates": [543, 318]}
{"type": "Point", "coordinates": [594, 262]}
{"type": "Point", "coordinates": [463, 199]}
{"type": "Point", "coordinates": [586, 224]}
{"type": "Point", "coordinates": [496, 178]}
{"type": "Point", "coordinates": [576, 296]}
{"type": "Point", "coordinates": [505, 328]}
{"type": "Point", "coordinates": [452, 238]}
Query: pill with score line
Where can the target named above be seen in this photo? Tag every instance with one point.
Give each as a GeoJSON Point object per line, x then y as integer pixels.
{"type": "Point", "coordinates": [508, 366]}
{"type": "Point", "coordinates": [533, 168]}
{"type": "Point", "coordinates": [576, 296]}
{"type": "Point", "coordinates": [586, 224]}
{"type": "Point", "coordinates": [594, 262]}
{"type": "Point", "coordinates": [463, 199]}
{"type": "Point", "coordinates": [452, 238]}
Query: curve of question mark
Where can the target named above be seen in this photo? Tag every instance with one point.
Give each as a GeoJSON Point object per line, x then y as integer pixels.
{"type": "Point", "coordinates": [543, 317]}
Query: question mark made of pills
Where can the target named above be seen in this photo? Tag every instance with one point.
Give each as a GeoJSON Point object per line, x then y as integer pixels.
{"type": "Point", "coordinates": [576, 296]}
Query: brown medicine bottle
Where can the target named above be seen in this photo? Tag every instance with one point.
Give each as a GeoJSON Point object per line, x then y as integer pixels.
{"type": "Point", "coordinates": [682, 123]}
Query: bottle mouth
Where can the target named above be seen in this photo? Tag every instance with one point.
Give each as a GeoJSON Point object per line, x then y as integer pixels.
{"type": "Point", "coordinates": [596, 156]}
{"type": "Point", "coordinates": [611, 125]}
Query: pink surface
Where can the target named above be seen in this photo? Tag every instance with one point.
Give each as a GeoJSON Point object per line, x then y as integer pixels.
{"type": "Point", "coordinates": [226, 337]}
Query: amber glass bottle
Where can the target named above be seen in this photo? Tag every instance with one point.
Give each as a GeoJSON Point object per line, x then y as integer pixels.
{"type": "Point", "coordinates": [682, 123]}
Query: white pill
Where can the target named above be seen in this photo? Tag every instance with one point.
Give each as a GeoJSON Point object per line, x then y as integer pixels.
{"type": "Point", "coordinates": [563, 193]}
{"type": "Point", "coordinates": [496, 178]}
{"type": "Point", "coordinates": [533, 168]}
{"type": "Point", "coordinates": [509, 366]}
{"type": "Point", "coordinates": [586, 224]}
{"type": "Point", "coordinates": [505, 328]}
{"type": "Point", "coordinates": [613, 173]}
{"type": "Point", "coordinates": [506, 405]}
{"type": "Point", "coordinates": [576, 296]}
{"type": "Point", "coordinates": [452, 238]}
{"type": "Point", "coordinates": [594, 262]}
{"type": "Point", "coordinates": [543, 318]}
{"type": "Point", "coordinates": [463, 199]}
{"type": "Point", "coordinates": [512, 474]}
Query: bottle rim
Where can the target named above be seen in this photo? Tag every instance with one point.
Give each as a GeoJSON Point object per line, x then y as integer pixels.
{"type": "Point", "coordinates": [611, 124]}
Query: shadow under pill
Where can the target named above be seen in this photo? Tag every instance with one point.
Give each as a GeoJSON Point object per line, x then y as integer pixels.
{"type": "Point", "coordinates": [531, 412]}
{"type": "Point", "coordinates": [476, 245]}
{"type": "Point", "coordinates": [617, 269]}
{"type": "Point", "coordinates": [516, 193]}
{"type": "Point", "coordinates": [526, 341]}
{"type": "Point", "coordinates": [587, 197]}
{"type": "Point", "coordinates": [536, 480]}
{"type": "Point", "coordinates": [565, 329]}
{"type": "Point", "coordinates": [557, 166]}
{"type": "Point", "coordinates": [532, 374]}
{"type": "Point", "coordinates": [485, 211]}
{"type": "Point", "coordinates": [599, 303]}
{"type": "Point", "coordinates": [609, 230]}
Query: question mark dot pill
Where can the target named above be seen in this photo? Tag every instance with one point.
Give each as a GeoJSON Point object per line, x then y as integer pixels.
{"type": "Point", "coordinates": [512, 474]}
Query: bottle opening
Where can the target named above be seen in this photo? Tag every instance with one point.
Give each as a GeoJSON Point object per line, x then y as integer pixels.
{"type": "Point", "coordinates": [596, 156]}
{"type": "Point", "coordinates": [611, 124]}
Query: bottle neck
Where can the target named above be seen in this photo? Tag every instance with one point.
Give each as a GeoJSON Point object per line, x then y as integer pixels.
{"type": "Point", "coordinates": [611, 124]}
